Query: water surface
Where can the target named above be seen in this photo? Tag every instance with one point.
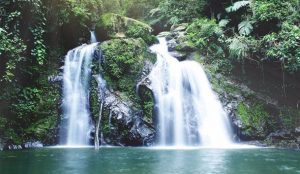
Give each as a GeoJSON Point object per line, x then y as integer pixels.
{"type": "Point", "coordinates": [149, 161]}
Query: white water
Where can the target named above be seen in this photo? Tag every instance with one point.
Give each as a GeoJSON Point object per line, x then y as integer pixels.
{"type": "Point", "coordinates": [93, 37]}
{"type": "Point", "coordinates": [76, 78]}
{"type": "Point", "coordinates": [189, 113]}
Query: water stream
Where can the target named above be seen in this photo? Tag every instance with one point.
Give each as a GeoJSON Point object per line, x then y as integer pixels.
{"type": "Point", "coordinates": [189, 112]}
{"type": "Point", "coordinates": [76, 77]}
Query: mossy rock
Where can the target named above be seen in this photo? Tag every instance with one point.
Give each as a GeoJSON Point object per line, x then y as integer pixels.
{"type": "Point", "coordinates": [123, 63]}
{"type": "Point", "coordinates": [111, 26]}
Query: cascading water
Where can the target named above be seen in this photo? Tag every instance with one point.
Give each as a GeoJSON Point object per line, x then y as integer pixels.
{"type": "Point", "coordinates": [76, 77]}
{"type": "Point", "coordinates": [189, 113]}
{"type": "Point", "coordinates": [93, 37]}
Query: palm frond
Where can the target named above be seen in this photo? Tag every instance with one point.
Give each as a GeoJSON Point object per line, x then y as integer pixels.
{"type": "Point", "coordinates": [236, 6]}
{"type": "Point", "coordinates": [245, 27]}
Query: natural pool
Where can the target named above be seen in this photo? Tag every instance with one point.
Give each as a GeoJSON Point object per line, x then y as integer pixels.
{"type": "Point", "coordinates": [149, 161]}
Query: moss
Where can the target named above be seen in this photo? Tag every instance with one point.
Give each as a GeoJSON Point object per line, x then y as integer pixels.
{"type": "Point", "coordinates": [94, 103]}
{"type": "Point", "coordinates": [137, 31]}
{"type": "Point", "coordinates": [124, 61]}
{"type": "Point", "coordinates": [252, 115]}
{"type": "Point", "coordinates": [147, 103]}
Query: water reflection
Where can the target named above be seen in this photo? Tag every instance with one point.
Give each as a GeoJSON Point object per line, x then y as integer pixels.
{"type": "Point", "coordinates": [149, 161]}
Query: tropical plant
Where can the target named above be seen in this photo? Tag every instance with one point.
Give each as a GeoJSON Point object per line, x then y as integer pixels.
{"type": "Point", "coordinates": [237, 5]}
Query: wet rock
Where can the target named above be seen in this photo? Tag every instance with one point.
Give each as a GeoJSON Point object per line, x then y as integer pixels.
{"type": "Point", "coordinates": [56, 79]}
{"type": "Point", "coordinates": [185, 46]}
{"type": "Point", "coordinates": [14, 147]}
{"type": "Point", "coordinates": [128, 127]}
{"type": "Point", "coordinates": [179, 27]}
{"type": "Point", "coordinates": [172, 45]}
{"type": "Point", "coordinates": [297, 131]}
{"type": "Point", "coordinates": [165, 34]}
{"type": "Point", "coordinates": [280, 135]}
{"type": "Point", "coordinates": [33, 144]}
{"type": "Point", "coordinates": [178, 55]}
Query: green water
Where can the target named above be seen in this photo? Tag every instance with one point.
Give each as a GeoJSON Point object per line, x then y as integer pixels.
{"type": "Point", "coordinates": [149, 161]}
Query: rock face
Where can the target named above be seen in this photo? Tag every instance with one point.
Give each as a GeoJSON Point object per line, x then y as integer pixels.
{"type": "Point", "coordinates": [126, 126]}
{"type": "Point", "coordinates": [124, 121]}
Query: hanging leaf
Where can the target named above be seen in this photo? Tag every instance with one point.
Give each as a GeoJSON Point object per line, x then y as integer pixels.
{"type": "Point", "coordinates": [223, 22]}
{"type": "Point", "coordinates": [236, 6]}
{"type": "Point", "coordinates": [245, 27]}
{"type": "Point", "coordinates": [237, 48]}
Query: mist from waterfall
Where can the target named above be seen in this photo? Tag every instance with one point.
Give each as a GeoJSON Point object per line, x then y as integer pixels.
{"type": "Point", "coordinates": [76, 78]}
{"type": "Point", "coordinates": [188, 111]}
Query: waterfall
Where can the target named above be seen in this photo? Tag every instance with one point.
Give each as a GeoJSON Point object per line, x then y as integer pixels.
{"type": "Point", "coordinates": [76, 77]}
{"type": "Point", "coordinates": [188, 111]}
{"type": "Point", "coordinates": [93, 37]}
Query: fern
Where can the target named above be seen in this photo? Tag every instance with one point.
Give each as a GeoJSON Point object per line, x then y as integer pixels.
{"type": "Point", "coordinates": [236, 6]}
{"type": "Point", "coordinates": [237, 48]}
{"type": "Point", "coordinates": [245, 27]}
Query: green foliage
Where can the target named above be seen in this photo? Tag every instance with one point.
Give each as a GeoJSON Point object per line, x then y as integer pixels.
{"type": "Point", "coordinates": [177, 11]}
{"type": "Point", "coordinates": [85, 11]}
{"type": "Point", "coordinates": [206, 35]}
{"type": "Point", "coordinates": [253, 116]}
{"type": "Point", "coordinates": [266, 10]}
{"type": "Point", "coordinates": [124, 60]}
{"type": "Point", "coordinates": [11, 49]}
{"type": "Point", "coordinates": [237, 5]}
{"type": "Point", "coordinates": [238, 47]}
{"type": "Point", "coordinates": [284, 46]}
{"type": "Point", "coordinates": [120, 26]}
{"type": "Point", "coordinates": [39, 50]}
{"type": "Point", "coordinates": [123, 56]}
{"type": "Point", "coordinates": [136, 31]}
{"type": "Point", "coordinates": [245, 27]}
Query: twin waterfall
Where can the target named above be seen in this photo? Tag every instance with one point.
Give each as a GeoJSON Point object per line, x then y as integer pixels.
{"type": "Point", "coordinates": [189, 113]}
